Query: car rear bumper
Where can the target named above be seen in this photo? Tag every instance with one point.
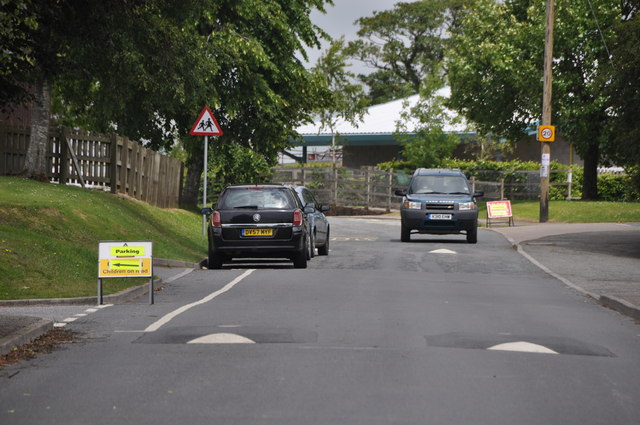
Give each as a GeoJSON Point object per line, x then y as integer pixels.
{"type": "Point", "coordinates": [221, 242]}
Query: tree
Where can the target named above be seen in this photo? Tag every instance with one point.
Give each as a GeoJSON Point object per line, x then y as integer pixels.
{"type": "Point", "coordinates": [495, 72]}
{"type": "Point", "coordinates": [96, 56]}
{"type": "Point", "coordinates": [145, 68]}
{"type": "Point", "coordinates": [403, 45]}
{"type": "Point", "coordinates": [345, 99]}
{"type": "Point", "coordinates": [623, 74]}
{"type": "Point", "coordinates": [263, 91]}
{"type": "Point", "coordinates": [428, 145]}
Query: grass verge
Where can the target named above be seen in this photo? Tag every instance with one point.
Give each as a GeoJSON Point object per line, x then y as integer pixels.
{"type": "Point", "coordinates": [572, 211]}
{"type": "Point", "coordinates": [49, 237]}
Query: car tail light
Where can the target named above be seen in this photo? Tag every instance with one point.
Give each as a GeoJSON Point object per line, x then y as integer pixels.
{"type": "Point", "coordinates": [215, 219]}
{"type": "Point", "coordinates": [297, 218]}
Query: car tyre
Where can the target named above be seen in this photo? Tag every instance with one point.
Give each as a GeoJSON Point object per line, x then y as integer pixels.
{"type": "Point", "coordinates": [405, 233]}
{"type": "Point", "coordinates": [324, 249]}
{"type": "Point", "coordinates": [215, 261]}
{"type": "Point", "coordinates": [300, 259]}
{"type": "Point", "coordinates": [312, 246]}
{"type": "Point", "coordinates": [472, 235]}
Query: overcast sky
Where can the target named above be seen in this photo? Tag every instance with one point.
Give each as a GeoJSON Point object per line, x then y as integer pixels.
{"type": "Point", "coordinates": [339, 20]}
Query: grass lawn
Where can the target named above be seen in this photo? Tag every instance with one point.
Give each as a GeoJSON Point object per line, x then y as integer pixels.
{"type": "Point", "coordinates": [49, 237]}
{"type": "Point", "coordinates": [572, 211]}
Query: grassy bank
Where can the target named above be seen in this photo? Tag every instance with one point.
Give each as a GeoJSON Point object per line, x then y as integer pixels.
{"type": "Point", "coordinates": [49, 237]}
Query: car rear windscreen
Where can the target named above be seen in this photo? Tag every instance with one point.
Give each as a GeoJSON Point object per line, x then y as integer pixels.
{"type": "Point", "coordinates": [256, 198]}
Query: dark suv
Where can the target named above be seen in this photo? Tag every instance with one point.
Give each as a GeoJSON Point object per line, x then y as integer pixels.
{"type": "Point", "coordinates": [266, 221]}
{"type": "Point", "coordinates": [439, 201]}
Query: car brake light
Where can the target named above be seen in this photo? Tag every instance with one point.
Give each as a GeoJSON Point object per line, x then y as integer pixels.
{"type": "Point", "coordinates": [297, 218]}
{"type": "Point", "coordinates": [215, 219]}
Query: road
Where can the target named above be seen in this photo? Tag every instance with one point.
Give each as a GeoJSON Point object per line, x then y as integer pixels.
{"type": "Point", "coordinates": [436, 331]}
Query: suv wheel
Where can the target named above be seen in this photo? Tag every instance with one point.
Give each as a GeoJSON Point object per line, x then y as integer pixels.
{"type": "Point", "coordinates": [472, 235]}
{"type": "Point", "coordinates": [405, 233]}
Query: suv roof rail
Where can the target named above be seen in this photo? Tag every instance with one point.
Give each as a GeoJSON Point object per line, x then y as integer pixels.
{"type": "Point", "coordinates": [422, 171]}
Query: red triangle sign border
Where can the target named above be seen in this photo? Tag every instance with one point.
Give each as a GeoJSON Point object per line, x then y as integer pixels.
{"type": "Point", "coordinates": [201, 126]}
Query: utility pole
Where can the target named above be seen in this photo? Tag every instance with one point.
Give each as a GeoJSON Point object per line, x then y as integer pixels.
{"type": "Point", "coordinates": [546, 113]}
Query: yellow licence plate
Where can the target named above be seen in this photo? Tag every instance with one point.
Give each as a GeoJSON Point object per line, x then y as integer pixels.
{"type": "Point", "coordinates": [257, 232]}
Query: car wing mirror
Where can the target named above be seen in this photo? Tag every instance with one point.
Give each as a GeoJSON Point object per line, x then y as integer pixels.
{"type": "Point", "coordinates": [324, 207]}
{"type": "Point", "coordinates": [478, 193]}
{"type": "Point", "coordinates": [206, 211]}
{"type": "Point", "coordinates": [401, 192]}
{"type": "Point", "coordinates": [309, 209]}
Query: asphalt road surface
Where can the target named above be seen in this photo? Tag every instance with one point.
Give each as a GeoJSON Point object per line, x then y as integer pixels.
{"type": "Point", "coordinates": [435, 331]}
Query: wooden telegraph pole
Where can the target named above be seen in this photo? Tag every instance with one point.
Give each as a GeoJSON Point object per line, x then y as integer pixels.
{"type": "Point", "coordinates": [546, 133]}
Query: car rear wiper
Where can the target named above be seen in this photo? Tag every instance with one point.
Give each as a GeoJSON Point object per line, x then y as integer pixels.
{"type": "Point", "coordinates": [428, 193]}
{"type": "Point", "coordinates": [248, 207]}
{"type": "Point", "coordinates": [458, 193]}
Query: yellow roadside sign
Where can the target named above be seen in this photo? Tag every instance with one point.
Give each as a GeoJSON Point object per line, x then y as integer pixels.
{"type": "Point", "coordinates": [547, 133]}
{"type": "Point", "coordinates": [125, 259]}
{"type": "Point", "coordinates": [125, 268]}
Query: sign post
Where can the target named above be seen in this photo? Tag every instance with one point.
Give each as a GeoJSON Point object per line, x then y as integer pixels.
{"type": "Point", "coordinates": [206, 125]}
{"type": "Point", "coordinates": [546, 133]}
{"type": "Point", "coordinates": [125, 259]}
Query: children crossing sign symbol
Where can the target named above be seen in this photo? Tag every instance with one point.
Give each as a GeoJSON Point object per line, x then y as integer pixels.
{"type": "Point", "coordinates": [206, 124]}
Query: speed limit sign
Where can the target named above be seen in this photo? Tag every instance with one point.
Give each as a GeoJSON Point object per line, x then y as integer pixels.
{"type": "Point", "coordinates": [547, 133]}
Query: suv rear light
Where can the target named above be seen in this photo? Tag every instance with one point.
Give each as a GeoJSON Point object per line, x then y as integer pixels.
{"type": "Point", "coordinates": [297, 218]}
{"type": "Point", "coordinates": [215, 219]}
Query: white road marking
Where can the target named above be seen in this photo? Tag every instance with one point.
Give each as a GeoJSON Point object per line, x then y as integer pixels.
{"type": "Point", "coordinates": [442, 251]}
{"type": "Point", "coordinates": [170, 316]}
{"type": "Point", "coordinates": [221, 338]}
{"type": "Point", "coordinates": [59, 325]}
{"type": "Point", "coordinates": [523, 347]}
{"type": "Point", "coordinates": [354, 239]}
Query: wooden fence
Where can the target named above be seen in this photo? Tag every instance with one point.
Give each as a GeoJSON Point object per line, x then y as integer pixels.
{"type": "Point", "coordinates": [108, 162]}
{"type": "Point", "coordinates": [373, 188]}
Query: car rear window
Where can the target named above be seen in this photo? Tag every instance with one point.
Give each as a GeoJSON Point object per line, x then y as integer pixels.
{"type": "Point", "coordinates": [256, 198]}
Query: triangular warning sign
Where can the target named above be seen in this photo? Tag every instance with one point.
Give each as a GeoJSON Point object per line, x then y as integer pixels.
{"type": "Point", "coordinates": [206, 124]}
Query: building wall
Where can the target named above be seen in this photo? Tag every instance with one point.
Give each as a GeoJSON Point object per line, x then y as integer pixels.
{"type": "Point", "coordinates": [528, 149]}
{"type": "Point", "coordinates": [359, 156]}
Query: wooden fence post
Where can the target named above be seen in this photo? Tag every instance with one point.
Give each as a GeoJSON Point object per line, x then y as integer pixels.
{"type": "Point", "coordinates": [113, 166]}
{"type": "Point", "coordinates": [367, 179]}
{"type": "Point", "coordinates": [334, 175]}
{"type": "Point", "coordinates": [390, 189]}
{"type": "Point", "coordinates": [64, 157]}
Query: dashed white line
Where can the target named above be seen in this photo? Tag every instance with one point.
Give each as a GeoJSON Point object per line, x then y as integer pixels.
{"type": "Point", "coordinates": [79, 315]}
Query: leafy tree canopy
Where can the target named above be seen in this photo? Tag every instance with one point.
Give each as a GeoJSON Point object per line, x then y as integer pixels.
{"type": "Point", "coordinates": [403, 46]}
{"type": "Point", "coordinates": [495, 69]}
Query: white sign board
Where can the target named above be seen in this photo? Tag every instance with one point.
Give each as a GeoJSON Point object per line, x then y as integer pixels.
{"type": "Point", "coordinates": [206, 124]}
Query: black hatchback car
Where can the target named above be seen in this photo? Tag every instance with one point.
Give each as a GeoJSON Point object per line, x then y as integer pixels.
{"type": "Point", "coordinates": [266, 221]}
